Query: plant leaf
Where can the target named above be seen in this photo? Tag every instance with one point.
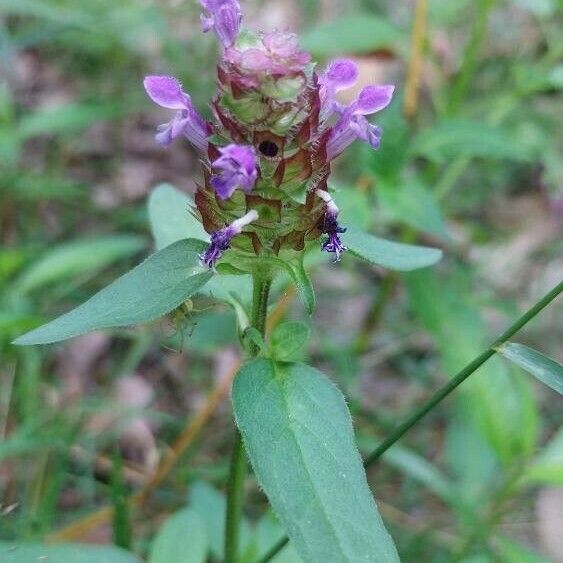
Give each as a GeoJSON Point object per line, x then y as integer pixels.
{"type": "Point", "coordinates": [153, 288]}
{"type": "Point", "coordinates": [84, 256]}
{"type": "Point", "coordinates": [362, 33]}
{"type": "Point", "coordinates": [392, 255]}
{"type": "Point", "coordinates": [452, 138]}
{"type": "Point", "coordinates": [544, 369]}
{"type": "Point", "coordinates": [301, 279]}
{"type": "Point", "coordinates": [170, 217]}
{"type": "Point", "coordinates": [299, 437]}
{"type": "Point", "coordinates": [71, 553]}
{"type": "Point", "coordinates": [211, 506]}
{"type": "Point", "coordinates": [547, 467]}
{"type": "Point", "coordinates": [182, 539]}
{"type": "Point", "coordinates": [288, 339]}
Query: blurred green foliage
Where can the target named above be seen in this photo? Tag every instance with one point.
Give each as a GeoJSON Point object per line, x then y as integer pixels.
{"type": "Point", "coordinates": [481, 156]}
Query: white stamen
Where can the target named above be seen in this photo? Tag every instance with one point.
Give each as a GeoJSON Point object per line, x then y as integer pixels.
{"type": "Point", "coordinates": [239, 224]}
{"type": "Point", "coordinates": [331, 207]}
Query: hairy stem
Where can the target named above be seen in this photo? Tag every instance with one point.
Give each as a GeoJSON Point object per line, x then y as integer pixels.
{"type": "Point", "coordinates": [237, 471]}
{"type": "Point", "coordinates": [442, 393]}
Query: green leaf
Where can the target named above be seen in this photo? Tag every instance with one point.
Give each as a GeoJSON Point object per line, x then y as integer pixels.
{"type": "Point", "coordinates": [66, 119]}
{"type": "Point", "coordinates": [211, 506]}
{"type": "Point", "coordinates": [392, 255]}
{"type": "Point", "coordinates": [170, 217]}
{"type": "Point", "coordinates": [152, 289]}
{"type": "Point", "coordinates": [544, 369]}
{"type": "Point", "coordinates": [298, 434]}
{"type": "Point", "coordinates": [80, 257]}
{"type": "Point", "coordinates": [72, 553]}
{"type": "Point", "coordinates": [421, 470]}
{"type": "Point", "coordinates": [288, 339]}
{"type": "Point", "coordinates": [182, 539]}
{"type": "Point", "coordinates": [362, 33]}
{"type": "Point", "coordinates": [453, 138]}
{"type": "Point", "coordinates": [512, 552]}
{"type": "Point", "coordinates": [268, 533]}
{"type": "Point", "coordinates": [547, 467]}
{"type": "Point", "coordinates": [413, 204]}
{"type": "Point", "coordinates": [492, 398]}
{"type": "Point", "coordinates": [301, 279]}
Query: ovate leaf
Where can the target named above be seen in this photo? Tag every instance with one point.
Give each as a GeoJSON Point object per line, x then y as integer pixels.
{"type": "Point", "coordinates": [170, 217]}
{"type": "Point", "coordinates": [73, 553]}
{"type": "Point", "coordinates": [363, 33]}
{"type": "Point", "coordinates": [299, 437]}
{"type": "Point", "coordinates": [392, 255]}
{"type": "Point", "coordinates": [152, 289]}
{"type": "Point", "coordinates": [182, 539]}
{"type": "Point", "coordinates": [544, 369]}
{"type": "Point", "coordinates": [288, 339]}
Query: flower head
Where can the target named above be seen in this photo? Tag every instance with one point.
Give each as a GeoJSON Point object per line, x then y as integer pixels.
{"type": "Point", "coordinates": [267, 154]}
{"type": "Point", "coordinates": [224, 17]}
{"type": "Point", "coordinates": [167, 92]}
{"type": "Point", "coordinates": [238, 166]}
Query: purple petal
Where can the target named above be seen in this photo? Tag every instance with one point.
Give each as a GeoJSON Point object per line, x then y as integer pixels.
{"type": "Point", "coordinates": [167, 92]}
{"type": "Point", "coordinates": [238, 165]}
{"type": "Point", "coordinates": [341, 74]}
{"type": "Point", "coordinates": [373, 99]}
{"type": "Point", "coordinates": [173, 129]}
{"type": "Point", "coordinates": [366, 131]}
{"type": "Point", "coordinates": [224, 17]}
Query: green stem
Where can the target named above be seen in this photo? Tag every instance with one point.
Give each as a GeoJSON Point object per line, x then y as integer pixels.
{"type": "Point", "coordinates": [458, 379]}
{"type": "Point", "coordinates": [469, 64]}
{"type": "Point", "coordinates": [442, 393]}
{"type": "Point", "coordinates": [237, 470]}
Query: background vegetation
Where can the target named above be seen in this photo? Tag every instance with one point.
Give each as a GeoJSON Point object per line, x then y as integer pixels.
{"type": "Point", "coordinates": [472, 165]}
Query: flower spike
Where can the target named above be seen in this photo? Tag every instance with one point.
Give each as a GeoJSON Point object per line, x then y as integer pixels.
{"type": "Point", "coordinates": [221, 240]}
{"type": "Point", "coordinates": [224, 17]}
{"type": "Point", "coordinates": [167, 92]}
{"type": "Point", "coordinates": [238, 165]}
{"type": "Point", "coordinates": [275, 128]}
{"type": "Point", "coordinates": [329, 226]}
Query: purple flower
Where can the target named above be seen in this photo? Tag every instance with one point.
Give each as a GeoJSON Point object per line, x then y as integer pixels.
{"type": "Point", "coordinates": [221, 240]}
{"type": "Point", "coordinates": [224, 17]}
{"type": "Point", "coordinates": [167, 92]}
{"type": "Point", "coordinates": [329, 226]}
{"type": "Point", "coordinates": [340, 74]}
{"type": "Point", "coordinates": [238, 165]}
{"type": "Point", "coordinates": [353, 123]}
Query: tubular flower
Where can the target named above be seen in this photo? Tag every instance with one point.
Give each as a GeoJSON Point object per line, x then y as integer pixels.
{"type": "Point", "coordinates": [267, 154]}
{"type": "Point", "coordinates": [238, 165]}
{"type": "Point", "coordinates": [167, 92]}
{"type": "Point", "coordinates": [224, 17]}
{"type": "Point", "coordinates": [221, 239]}
{"type": "Point", "coordinates": [329, 226]}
